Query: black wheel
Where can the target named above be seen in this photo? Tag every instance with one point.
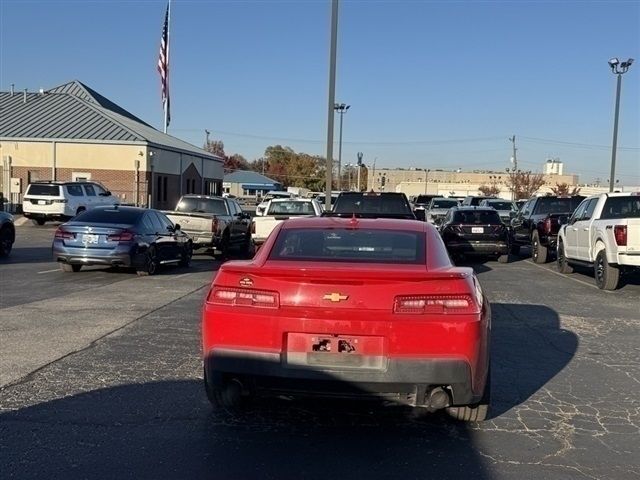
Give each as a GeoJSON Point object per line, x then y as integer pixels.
{"type": "Point", "coordinates": [224, 246]}
{"type": "Point", "coordinates": [561, 260]}
{"type": "Point", "coordinates": [6, 241]}
{"type": "Point", "coordinates": [539, 252]}
{"type": "Point", "coordinates": [474, 413]}
{"type": "Point", "coordinates": [185, 260]}
{"type": "Point", "coordinates": [607, 276]}
{"type": "Point", "coordinates": [65, 267]}
{"type": "Point", "coordinates": [150, 264]}
{"type": "Point", "coordinates": [247, 250]}
{"type": "Point", "coordinates": [223, 394]}
{"type": "Point", "coordinates": [80, 210]}
{"type": "Point", "coordinates": [515, 249]}
{"type": "Point", "coordinates": [38, 221]}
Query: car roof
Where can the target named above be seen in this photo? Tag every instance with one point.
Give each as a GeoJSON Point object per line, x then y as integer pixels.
{"type": "Point", "coordinates": [294, 199]}
{"type": "Point", "coordinates": [467, 208]}
{"type": "Point", "coordinates": [368, 223]}
{"type": "Point", "coordinates": [120, 208]}
{"type": "Point", "coordinates": [216, 197]}
{"type": "Point", "coordinates": [60, 182]}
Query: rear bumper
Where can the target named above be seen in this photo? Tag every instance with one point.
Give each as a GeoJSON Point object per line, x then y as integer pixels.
{"type": "Point", "coordinates": [83, 256]}
{"type": "Point", "coordinates": [479, 248]}
{"type": "Point", "coordinates": [46, 216]}
{"type": "Point", "coordinates": [630, 259]}
{"type": "Point", "coordinates": [406, 381]}
{"type": "Point", "coordinates": [203, 239]}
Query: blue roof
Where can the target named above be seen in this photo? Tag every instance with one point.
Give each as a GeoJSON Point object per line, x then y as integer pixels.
{"type": "Point", "coordinates": [248, 176]}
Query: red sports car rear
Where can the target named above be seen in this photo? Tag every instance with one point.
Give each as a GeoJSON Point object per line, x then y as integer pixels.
{"type": "Point", "coordinates": [350, 307]}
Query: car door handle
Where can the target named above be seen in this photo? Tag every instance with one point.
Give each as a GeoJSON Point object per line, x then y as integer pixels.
{"type": "Point", "coordinates": [574, 229]}
{"type": "Point", "coordinates": [586, 229]}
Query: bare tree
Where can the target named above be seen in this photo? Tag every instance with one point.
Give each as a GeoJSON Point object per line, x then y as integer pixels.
{"type": "Point", "coordinates": [489, 190]}
{"type": "Point", "coordinates": [524, 185]}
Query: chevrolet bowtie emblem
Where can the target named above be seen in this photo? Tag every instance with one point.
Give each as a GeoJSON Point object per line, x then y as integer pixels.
{"type": "Point", "coordinates": [335, 297]}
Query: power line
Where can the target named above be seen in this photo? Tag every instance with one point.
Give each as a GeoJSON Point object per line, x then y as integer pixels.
{"type": "Point", "coordinates": [548, 141]}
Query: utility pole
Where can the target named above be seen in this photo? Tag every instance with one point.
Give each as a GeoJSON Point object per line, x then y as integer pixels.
{"type": "Point", "coordinates": [331, 101]}
{"type": "Point", "coordinates": [618, 68]}
{"type": "Point", "coordinates": [514, 157]}
{"type": "Point", "coordinates": [359, 169]}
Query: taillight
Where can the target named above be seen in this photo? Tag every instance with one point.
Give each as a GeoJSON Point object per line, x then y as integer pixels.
{"type": "Point", "coordinates": [214, 224]}
{"type": "Point", "coordinates": [547, 225]}
{"type": "Point", "coordinates": [253, 227]}
{"type": "Point", "coordinates": [620, 232]}
{"type": "Point", "coordinates": [421, 304]}
{"type": "Point", "coordinates": [124, 236]}
{"type": "Point", "coordinates": [61, 200]}
{"type": "Point", "coordinates": [63, 234]}
{"type": "Point", "coordinates": [243, 298]}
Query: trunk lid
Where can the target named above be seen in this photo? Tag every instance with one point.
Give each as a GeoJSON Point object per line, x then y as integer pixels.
{"type": "Point", "coordinates": [91, 236]}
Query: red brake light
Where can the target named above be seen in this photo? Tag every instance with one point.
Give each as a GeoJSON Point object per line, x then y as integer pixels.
{"type": "Point", "coordinates": [124, 236]}
{"type": "Point", "coordinates": [214, 224]}
{"type": "Point", "coordinates": [620, 232]}
{"type": "Point", "coordinates": [63, 234]}
{"type": "Point", "coordinates": [547, 225]}
{"type": "Point", "coordinates": [421, 304]}
{"type": "Point", "coordinates": [243, 297]}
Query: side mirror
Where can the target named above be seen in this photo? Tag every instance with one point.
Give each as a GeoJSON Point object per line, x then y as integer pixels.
{"type": "Point", "coordinates": [174, 228]}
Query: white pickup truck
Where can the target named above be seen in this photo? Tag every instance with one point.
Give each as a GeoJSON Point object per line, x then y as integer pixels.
{"type": "Point", "coordinates": [279, 209]}
{"type": "Point", "coordinates": [602, 233]}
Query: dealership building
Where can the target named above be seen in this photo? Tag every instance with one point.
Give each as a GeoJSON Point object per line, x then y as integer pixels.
{"type": "Point", "coordinates": [71, 132]}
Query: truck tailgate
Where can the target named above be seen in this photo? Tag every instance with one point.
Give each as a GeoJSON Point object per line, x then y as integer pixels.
{"type": "Point", "coordinates": [265, 225]}
{"type": "Point", "coordinates": [191, 222]}
{"type": "Point", "coordinates": [633, 235]}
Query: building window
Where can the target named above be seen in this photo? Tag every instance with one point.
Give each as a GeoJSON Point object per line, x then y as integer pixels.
{"type": "Point", "coordinates": [159, 188]}
{"type": "Point", "coordinates": [165, 180]}
{"type": "Point", "coordinates": [33, 176]}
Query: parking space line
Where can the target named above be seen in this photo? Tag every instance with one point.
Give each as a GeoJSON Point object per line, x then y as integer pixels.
{"type": "Point", "coordinates": [49, 271]}
{"type": "Point", "coordinates": [567, 276]}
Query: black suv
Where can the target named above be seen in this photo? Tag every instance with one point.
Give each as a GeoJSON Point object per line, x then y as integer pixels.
{"type": "Point", "coordinates": [372, 205]}
{"type": "Point", "coordinates": [475, 231]}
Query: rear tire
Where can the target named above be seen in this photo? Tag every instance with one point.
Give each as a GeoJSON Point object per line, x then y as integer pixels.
{"type": "Point", "coordinates": [65, 267]}
{"type": "Point", "coordinates": [226, 395]}
{"type": "Point", "coordinates": [38, 221]}
{"type": "Point", "coordinates": [607, 276]}
{"type": "Point", "coordinates": [80, 210]}
{"type": "Point", "coordinates": [6, 241]}
{"type": "Point", "coordinates": [150, 264]}
{"type": "Point", "coordinates": [185, 261]}
{"type": "Point", "coordinates": [561, 260]}
{"type": "Point", "coordinates": [539, 252]}
{"type": "Point", "coordinates": [224, 246]}
{"type": "Point", "coordinates": [478, 412]}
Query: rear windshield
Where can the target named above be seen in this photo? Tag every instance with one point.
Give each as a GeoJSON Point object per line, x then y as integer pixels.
{"type": "Point", "coordinates": [444, 203]}
{"type": "Point", "coordinates": [475, 201]}
{"type": "Point", "coordinates": [373, 204]}
{"type": "Point", "coordinates": [44, 190]}
{"type": "Point", "coordinates": [557, 205]}
{"type": "Point", "coordinates": [342, 245]}
{"type": "Point", "coordinates": [110, 215]}
{"type": "Point", "coordinates": [291, 208]}
{"type": "Point", "coordinates": [621, 207]}
{"type": "Point", "coordinates": [477, 217]}
{"type": "Point", "coordinates": [202, 205]}
{"type": "Point", "coordinates": [423, 198]}
{"type": "Point", "coordinates": [501, 205]}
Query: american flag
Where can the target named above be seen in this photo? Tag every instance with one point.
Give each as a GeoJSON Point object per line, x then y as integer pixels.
{"type": "Point", "coordinates": [163, 64]}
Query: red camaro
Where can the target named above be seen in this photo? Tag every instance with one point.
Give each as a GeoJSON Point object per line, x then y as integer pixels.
{"type": "Point", "coordinates": [350, 307]}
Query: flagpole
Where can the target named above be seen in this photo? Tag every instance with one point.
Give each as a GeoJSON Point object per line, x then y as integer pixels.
{"type": "Point", "coordinates": [166, 101]}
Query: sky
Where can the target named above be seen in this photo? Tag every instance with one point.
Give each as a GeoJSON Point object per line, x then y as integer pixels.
{"type": "Point", "coordinates": [431, 84]}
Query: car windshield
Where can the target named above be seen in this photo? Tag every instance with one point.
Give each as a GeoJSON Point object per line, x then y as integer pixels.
{"type": "Point", "coordinates": [423, 199]}
{"type": "Point", "coordinates": [202, 205]}
{"type": "Point", "coordinates": [110, 216]}
{"type": "Point", "coordinates": [373, 204]}
{"type": "Point", "coordinates": [557, 205]}
{"type": "Point", "coordinates": [621, 207]}
{"type": "Point", "coordinates": [501, 205]}
{"type": "Point", "coordinates": [444, 203]}
{"type": "Point", "coordinates": [348, 245]}
{"type": "Point", "coordinates": [290, 208]}
{"type": "Point", "coordinates": [477, 217]}
{"type": "Point", "coordinates": [44, 190]}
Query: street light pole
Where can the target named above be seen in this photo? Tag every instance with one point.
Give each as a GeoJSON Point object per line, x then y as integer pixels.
{"type": "Point", "coordinates": [618, 68]}
{"type": "Point", "coordinates": [331, 101]}
{"type": "Point", "coordinates": [341, 108]}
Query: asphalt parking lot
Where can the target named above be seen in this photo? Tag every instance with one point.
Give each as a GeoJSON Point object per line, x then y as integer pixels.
{"type": "Point", "coordinates": [100, 377]}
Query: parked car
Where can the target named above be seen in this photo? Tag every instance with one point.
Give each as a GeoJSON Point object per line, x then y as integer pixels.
{"type": "Point", "coordinates": [420, 204]}
{"type": "Point", "coordinates": [505, 208]}
{"type": "Point", "coordinates": [438, 208]}
{"type": "Point", "coordinates": [7, 234]}
{"type": "Point", "coordinates": [604, 234]}
{"type": "Point", "coordinates": [373, 205]}
{"type": "Point", "coordinates": [213, 222]}
{"type": "Point", "coordinates": [537, 224]}
{"type": "Point", "coordinates": [116, 236]}
{"type": "Point", "coordinates": [476, 231]}
{"type": "Point", "coordinates": [261, 208]}
{"type": "Point", "coordinates": [474, 200]}
{"type": "Point", "coordinates": [321, 198]}
{"type": "Point", "coordinates": [279, 210]}
{"type": "Point", "coordinates": [45, 201]}
{"type": "Point", "coordinates": [353, 307]}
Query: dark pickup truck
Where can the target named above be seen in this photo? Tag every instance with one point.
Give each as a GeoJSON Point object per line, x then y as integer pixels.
{"type": "Point", "coordinates": [372, 205]}
{"type": "Point", "coordinates": [538, 222]}
{"type": "Point", "coordinates": [215, 223]}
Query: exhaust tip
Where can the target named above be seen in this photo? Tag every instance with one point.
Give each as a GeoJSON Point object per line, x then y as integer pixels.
{"type": "Point", "coordinates": [438, 398]}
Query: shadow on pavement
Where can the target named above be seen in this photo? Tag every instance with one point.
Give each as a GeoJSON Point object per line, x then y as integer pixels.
{"type": "Point", "coordinates": [167, 429]}
{"type": "Point", "coordinates": [28, 255]}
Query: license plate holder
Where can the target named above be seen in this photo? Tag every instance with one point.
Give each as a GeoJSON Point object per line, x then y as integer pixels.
{"type": "Point", "coordinates": [42, 202]}
{"type": "Point", "coordinates": [477, 229]}
{"type": "Point", "coordinates": [335, 351]}
{"type": "Point", "coordinates": [90, 238]}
